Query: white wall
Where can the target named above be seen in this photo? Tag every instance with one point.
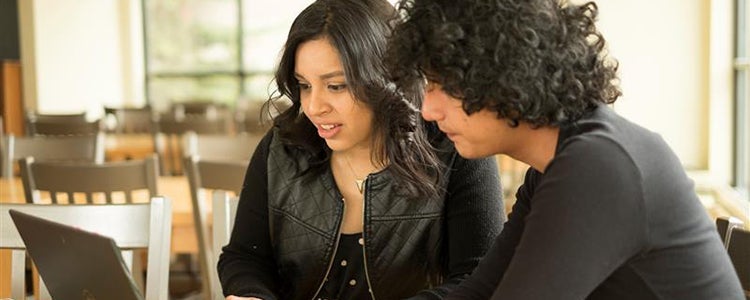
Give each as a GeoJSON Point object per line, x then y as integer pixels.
{"type": "Point", "coordinates": [721, 92]}
{"type": "Point", "coordinates": [663, 48]}
{"type": "Point", "coordinates": [80, 54]}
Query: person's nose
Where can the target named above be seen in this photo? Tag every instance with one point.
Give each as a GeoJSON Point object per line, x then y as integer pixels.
{"type": "Point", "coordinates": [317, 104]}
{"type": "Point", "coordinates": [431, 107]}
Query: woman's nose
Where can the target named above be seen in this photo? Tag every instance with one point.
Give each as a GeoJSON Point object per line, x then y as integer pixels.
{"type": "Point", "coordinates": [317, 103]}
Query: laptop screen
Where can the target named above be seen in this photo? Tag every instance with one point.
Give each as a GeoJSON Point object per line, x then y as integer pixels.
{"type": "Point", "coordinates": [73, 263]}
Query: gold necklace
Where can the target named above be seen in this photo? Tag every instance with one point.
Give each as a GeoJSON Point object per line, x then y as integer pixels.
{"type": "Point", "coordinates": [359, 182]}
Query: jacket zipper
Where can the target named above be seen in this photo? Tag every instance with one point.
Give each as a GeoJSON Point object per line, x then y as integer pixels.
{"type": "Point", "coordinates": [333, 256]}
{"type": "Point", "coordinates": [364, 252]}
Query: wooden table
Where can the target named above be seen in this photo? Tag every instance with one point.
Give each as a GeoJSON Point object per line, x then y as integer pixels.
{"type": "Point", "coordinates": [128, 146]}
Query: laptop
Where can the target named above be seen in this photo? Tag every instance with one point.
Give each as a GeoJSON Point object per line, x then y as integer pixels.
{"type": "Point", "coordinates": [75, 264]}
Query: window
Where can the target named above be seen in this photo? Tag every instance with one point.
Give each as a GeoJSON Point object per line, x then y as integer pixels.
{"type": "Point", "coordinates": [742, 98]}
{"type": "Point", "coordinates": [216, 50]}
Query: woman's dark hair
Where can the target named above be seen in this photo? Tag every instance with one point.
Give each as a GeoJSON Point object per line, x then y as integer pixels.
{"type": "Point", "coordinates": [359, 30]}
{"type": "Point", "coordinates": [537, 61]}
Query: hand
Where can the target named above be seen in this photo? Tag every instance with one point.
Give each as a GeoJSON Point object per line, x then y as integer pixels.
{"type": "Point", "coordinates": [242, 298]}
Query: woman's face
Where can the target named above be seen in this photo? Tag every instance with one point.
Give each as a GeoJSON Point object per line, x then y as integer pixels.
{"type": "Point", "coordinates": [341, 120]}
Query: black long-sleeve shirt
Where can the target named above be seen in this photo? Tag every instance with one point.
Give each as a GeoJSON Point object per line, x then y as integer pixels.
{"type": "Point", "coordinates": [614, 216]}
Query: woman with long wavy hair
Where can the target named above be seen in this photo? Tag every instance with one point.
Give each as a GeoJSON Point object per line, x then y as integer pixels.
{"type": "Point", "coordinates": [352, 195]}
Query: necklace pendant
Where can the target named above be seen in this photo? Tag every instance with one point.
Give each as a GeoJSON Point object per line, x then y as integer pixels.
{"type": "Point", "coordinates": [360, 185]}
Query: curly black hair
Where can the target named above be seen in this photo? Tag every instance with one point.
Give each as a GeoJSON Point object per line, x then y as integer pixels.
{"type": "Point", "coordinates": [536, 61]}
{"type": "Point", "coordinates": [359, 29]}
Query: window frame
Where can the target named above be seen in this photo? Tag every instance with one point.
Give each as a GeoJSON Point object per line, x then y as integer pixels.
{"type": "Point", "coordinates": [741, 66]}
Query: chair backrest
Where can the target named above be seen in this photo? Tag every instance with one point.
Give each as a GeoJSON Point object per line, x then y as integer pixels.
{"type": "Point", "coordinates": [739, 253]}
{"type": "Point", "coordinates": [224, 211]}
{"type": "Point", "coordinates": [256, 116]}
{"type": "Point", "coordinates": [218, 176]}
{"type": "Point", "coordinates": [75, 117]}
{"type": "Point", "coordinates": [88, 178]}
{"type": "Point", "coordinates": [84, 148]}
{"type": "Point", "coordinates": [204, 108]}
{"type": "Point", "coordinates": [724, 226]}
{"type": "Point", "coordinates": [220, 146]}
{"type": "Point", "coordinates": [75, 124]}
{"type": "Point", "coordinates": [132, 226]}
{"type": "Point", "coordinates": [167, 134]}
{"type": "Point", "coordinates": [129, 120]}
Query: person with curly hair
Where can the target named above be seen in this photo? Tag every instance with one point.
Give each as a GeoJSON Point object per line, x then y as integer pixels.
{"type": "Point", "coordinates": [351, 195]}
{"type": "Point", "coordinates": [606, 210]}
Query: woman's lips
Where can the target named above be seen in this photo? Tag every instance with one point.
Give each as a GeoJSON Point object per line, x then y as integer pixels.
{"type": "Point", "coordinates": [328, 131]}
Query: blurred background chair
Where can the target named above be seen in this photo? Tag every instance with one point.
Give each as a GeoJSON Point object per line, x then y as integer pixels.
{"type": "Point", "coordinates": [111, 179]}
{"type": "Point", "coordinates": [76, 117]}
{"type": "Point", "coordinates": [128, 120]}
{"type": "Point", "coordinates": [224, 211]}
{"type": "Point", "coordinates": [724, 226]}
{"type": "Point", "coordinates": [132, 226]}
{"type": "Point", "coordinates": [199, 108]}
{"type": "Point", "coordinates": [85, 148]}
{"type": "Point", "coordinates": [256, 117]}
{"type": "Point", "coordinates": [220, 146]}
{"type": "Point", "coordinates": [74, 124]}
{"type": "Point", "coordinates": [739, 253]}
{"type": "Point", "coordinates": [167, 134]}
{"type": "Point", "coordinates": [202, 176]}
{"type": "Point", "coordinates": [736, 238]}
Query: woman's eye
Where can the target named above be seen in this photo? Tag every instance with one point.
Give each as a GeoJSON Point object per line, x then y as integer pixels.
{"type": "Point", "coordinates": [303, 86]}
{"type": "Point", "coordinates": [337, 87]}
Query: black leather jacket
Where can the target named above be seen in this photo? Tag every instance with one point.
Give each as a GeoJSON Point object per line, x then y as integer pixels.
{"type": "Point", "coordinates": [407, 243]}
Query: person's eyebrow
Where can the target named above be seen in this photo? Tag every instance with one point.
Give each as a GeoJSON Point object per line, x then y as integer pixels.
{"type": "Point", "coordinates": [332, 74]}
{"type": "Point", "coordinates": [324, 76]}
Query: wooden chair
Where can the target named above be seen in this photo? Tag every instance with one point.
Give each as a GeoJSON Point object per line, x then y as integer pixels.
{"type": "Point", "coordinates": [132, 226]}
{"type": "Point", "coordinates": [224, 211]}
{"type": "Point", "coordinates": [739, 253]}
{"type": "Point", "coordinates": [736, 239]}
{"type": "Point", "coordinates": [88, 148]}
{"type": "Point", "coordinates": [70, 178]}
{"type": "Point", "coordinates": [204, 108]}
{"type": "Point", "coordinates": [129, 120]}
{"type": "Point", "coordinates": [75, 124]}
{"type": "Point", "coordinates": [76, 117]}
{"type": "Point", "coordinates": [217, 147]}
{"type": "Point", "coordinates": [256, 117]}
{"type": "Point", "coordinates": [167, 133]}
{"type": "Point", "coordinates": [84, 128]}
{"type": "Point", "coordinates": [218, 176]}
{"type": "Point", "coordinates": [724, 226]}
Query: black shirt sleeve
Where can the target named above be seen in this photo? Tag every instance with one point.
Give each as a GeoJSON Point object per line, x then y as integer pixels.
{"type": "Point", "coordinates": [473, 217]}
